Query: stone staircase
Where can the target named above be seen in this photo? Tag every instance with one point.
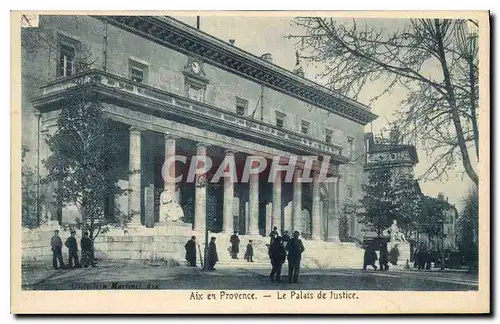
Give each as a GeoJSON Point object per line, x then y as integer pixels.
{"type": "Point", "coordinates": [317, 254]}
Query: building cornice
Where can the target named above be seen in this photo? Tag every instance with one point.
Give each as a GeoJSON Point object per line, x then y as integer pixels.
{"type": "Point", "coordinates": [173, 34]}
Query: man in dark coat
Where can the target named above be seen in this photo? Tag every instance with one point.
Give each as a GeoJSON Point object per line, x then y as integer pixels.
{"type": "Point", "coordinates": [384, 257]}
{"type": "Point", "coordinates": [277, 254]}
{"type": "Point", "coordinates": [273, 235]}
{"type": "Point", "coordinates": [72, 246]}
{"type": "Point", "coordinates": [295, 249]}
{"type": "Point", "coordinates": [249, 252]}
{"type": "Point", "coordinates": [235, 245]}
{"type": "Point", "coordinates": [370, 257]}
{"type": "Point", "coordinates": [87, 246]}
{"type": "Point", "coordinates": [191, 251]}
{"type": "Point", "coordinates": [213, 258]}
{"type": "Point", "coordinates": [56, 244]}
{"type": "Point", "coordinates": [394, 255]}
{"type": "Point", "coordinates": [422, 257]}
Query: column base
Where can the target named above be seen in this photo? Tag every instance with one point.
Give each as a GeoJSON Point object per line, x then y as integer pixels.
{"type": "Point", "coordinates": [316, 238]}
{"type": "Point", "coordinates": [334, 239]}
{"type": "Point", "coordinates": [253, 232]}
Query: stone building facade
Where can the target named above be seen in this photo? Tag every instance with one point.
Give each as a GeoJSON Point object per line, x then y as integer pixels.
{"type": "Point", "coordinates": [175, 90]}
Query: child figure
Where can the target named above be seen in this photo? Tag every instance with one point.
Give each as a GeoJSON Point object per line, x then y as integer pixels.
{"type": "Point", "coordinates": [249, 252]}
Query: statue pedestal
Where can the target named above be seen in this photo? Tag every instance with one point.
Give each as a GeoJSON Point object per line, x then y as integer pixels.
{"type": "Point", "coordinates": [173, 229]}
{"type": "Point", "coordinates": [404, 251]}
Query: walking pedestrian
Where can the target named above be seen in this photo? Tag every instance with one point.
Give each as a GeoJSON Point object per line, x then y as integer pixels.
{"type": "Point", "coordinates": [370, 257]}
{"type": "Point", "coordinates": [56, 244]}
{"type": "Point", "coordinates": [295, 249]}
{"type": "Point", "coordinates": [277, 254]}
{"type": "Point", "coordinates": [72, 246]}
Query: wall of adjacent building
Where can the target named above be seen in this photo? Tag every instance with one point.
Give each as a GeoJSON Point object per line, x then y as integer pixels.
{"type": "Point", "coordinates": [165, 66]}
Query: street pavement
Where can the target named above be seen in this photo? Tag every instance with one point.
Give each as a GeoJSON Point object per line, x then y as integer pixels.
{"type": "Point", "coordinates": [140, 275]}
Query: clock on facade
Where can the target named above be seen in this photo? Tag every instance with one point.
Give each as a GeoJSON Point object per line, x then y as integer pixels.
{"type": "Point", "coordinates": [195, 67]}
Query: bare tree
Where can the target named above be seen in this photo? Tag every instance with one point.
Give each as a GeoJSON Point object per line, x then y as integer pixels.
{"type": "Point", "coordinates": [440, 107]}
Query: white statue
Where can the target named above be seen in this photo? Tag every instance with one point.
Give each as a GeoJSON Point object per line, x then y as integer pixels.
{"type": "Point", "coordinates": [396, 234]}
{"type": "Point", "coordinates": [170, 210]}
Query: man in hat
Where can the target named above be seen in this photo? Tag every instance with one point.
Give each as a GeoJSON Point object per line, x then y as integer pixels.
{"type": "Point", "coordinates": [212, 257]}
{"type": "Point", "coordinates": [235, 245]}
{"type": "Point", "coordinates": [72, 246]}
{"type": "Point", "coordinates": [277, 254]}
{"type": "Point", "coordinates": [191, 251]}
{"type": "Point", "coordinates": [295, 249]}
{"type": "Point", "coordinates": [56, 244]}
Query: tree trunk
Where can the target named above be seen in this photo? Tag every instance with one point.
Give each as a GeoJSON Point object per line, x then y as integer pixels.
{"type": "Point", "coordinates": [453, 107]}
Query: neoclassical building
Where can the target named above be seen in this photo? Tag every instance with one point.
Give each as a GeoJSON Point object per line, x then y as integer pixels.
{"type": "Point", "coordinates": [175, 90]}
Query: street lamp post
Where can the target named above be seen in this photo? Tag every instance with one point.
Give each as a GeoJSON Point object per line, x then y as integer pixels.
{"type": "Point", "coordinates": [442, 244]}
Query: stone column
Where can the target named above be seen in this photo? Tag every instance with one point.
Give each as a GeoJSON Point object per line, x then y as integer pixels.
{"type": "Point", "coordinates": [276, 207]}
{"type": "Point", "coordinates": [200, 206]}
{"type": "Point", "coordinates": [297, 202]}
{"type": "Point", "coordinates": [316, 211]}
{"type": "Point", "coordinates": [253, 205]}
{"type": "Point", "coordinates": [333, 218]}
{"type": "Point", "coordinates": [170, 172]}
{"type": "Point", "coordinates": [134, 180]}
{"type": "Point", "coordinates": [227, 207]}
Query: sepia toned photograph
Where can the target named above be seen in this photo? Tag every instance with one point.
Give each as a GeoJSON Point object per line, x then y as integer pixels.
{"type": "Point", "coordinates": [253, 158]}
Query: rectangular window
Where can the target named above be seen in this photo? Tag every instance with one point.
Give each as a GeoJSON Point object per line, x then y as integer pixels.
{"type": "Point", "coordinates": [350, 148]}
{"type": "Point", "coordinates": [241, 107]}
{"type": "Point", "coordinates": [304, 127]}
{"type": "Point", "coordinates": [67, 54]}
{"type": "Point", "coordinates": [137, 71]}
{"type": "Point", "coordinates": [280, 119]}
{"type": "Point", "coordinates": [328, 136]}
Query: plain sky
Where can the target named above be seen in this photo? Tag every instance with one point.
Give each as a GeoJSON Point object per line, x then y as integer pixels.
{"type": "Point", "coordinates": [259, 35]}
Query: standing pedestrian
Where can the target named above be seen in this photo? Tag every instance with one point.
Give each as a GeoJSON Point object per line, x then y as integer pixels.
{"type": "Point", "coordinates": [384, 257]}
{"type": "Point", "coordinates": [235, 245]}
{"type": "Point", "coordinates": [213, 258]}
{"type": "Point", "coordinates": [87, 246]}
{"type": "Point", "coordinates": [295, 249]}
{"type": "Point", "coordinates": [190, 248]}
{"type": "Point", "coordinates": [56, 244]}
{"type": "Point", "coordinates": [277, 254]}
{"type": "Point", "coordinates": [394, 255]}
{"type": "Point", "coordinates": [249, 252]}
{"type": "Point", "coordinates": [273, 235]}
{"type": "Point", "coordinates": [370, 257]}
{"type": "Point", "coordinates": [286, 238]}
{"type": "Point", "coordinates": [72, 246]}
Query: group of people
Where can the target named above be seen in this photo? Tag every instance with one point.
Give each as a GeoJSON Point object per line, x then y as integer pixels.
{"type": "Point", "coordinates": [234, 249]}
{"type": "Point", "coordinates": [423, 257]}
{"type": "Point", "coordinates": [386, 257]}
{"type": "Point", "coordinates": [212, 256]}
{"type": "Point", "coordinates": [282, 248]}
{"type": "Point", "coordinates": [87, 251]}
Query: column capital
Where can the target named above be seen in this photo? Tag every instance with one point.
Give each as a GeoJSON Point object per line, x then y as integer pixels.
{"type": "Point", "coordinates": [37, 113]}
{"type": "Point", "coordinates": [202, 145]}
{"type": "Point", "coordinates": [136, 129]}
{"type": "Point", "coordinates": [230, 152]}
{"type": "Point", "coordinates": [170, 136]}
